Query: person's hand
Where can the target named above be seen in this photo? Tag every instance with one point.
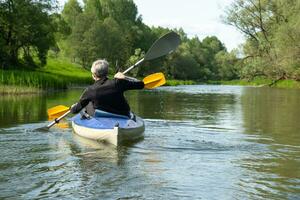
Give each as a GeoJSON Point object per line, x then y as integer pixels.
{"type": "Point", "coordinates": [119, 75]}
{"type": "Point", "coordinates": [72, 108]}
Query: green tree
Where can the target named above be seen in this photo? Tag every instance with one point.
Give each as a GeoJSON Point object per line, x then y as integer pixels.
{"type": "Point", "coordinates": [120, 10]}
{"type": "Point", "coordinates": [272, 31]}
{"type": "Point", "coordinates": [26, 30]}
{"type": "Point", "coordinates": [104, 29]}
{"type": "Point", "coordinates": [287, 37]}
{"type": "Point", "coordinates": [70, 12]}
{"type": "Point", "coordinates": [226, 65]}
{"type": "Point", "coordinates": [111, 43]}
{"type": "Point", "coordinates": [77, 41]}
{"type": "Point", "coordinates": [183, 65]}
{"type": "Point", "coordinates": [94, 7]}
{"type": "Point", "coordinates": [202, 56]}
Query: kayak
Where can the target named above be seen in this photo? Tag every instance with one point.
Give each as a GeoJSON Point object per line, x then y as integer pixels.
{"type": "Point", "coordinates": [108, 127]}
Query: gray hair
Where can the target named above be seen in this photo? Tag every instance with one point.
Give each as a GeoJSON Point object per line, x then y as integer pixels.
{"type": "Point", "coordinates": [100, 68]}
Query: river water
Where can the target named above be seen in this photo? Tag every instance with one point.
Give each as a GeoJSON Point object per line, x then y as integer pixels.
{"type": "Point", "coordinates": [201, 142]}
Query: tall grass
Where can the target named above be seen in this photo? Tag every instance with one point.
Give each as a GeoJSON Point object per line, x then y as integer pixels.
{"type": "Point", "coordinates": [288, 84]}
{"type": "Point", "coordinates": [260, 82]}
{"type": "Point", "coordinates": [32, 79]}
{"type": "Point", "coordinates": [180, 82]}
{"type": "Point", "coordinates": [255, 82]}
{"type": "Point", "coordinates": [55, 75]}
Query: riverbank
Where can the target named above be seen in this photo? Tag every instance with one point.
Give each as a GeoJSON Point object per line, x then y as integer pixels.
{"type": "Point", "coordinates": [61, 74]}
{"type": "Point", "coordinates": [287, 84]}
{"type": "Point", "coordinates": [180, 82]}
{"type": "Point", "coordinates": [56, 75]}
{"type": "Point", "coordinates": [258, 82]}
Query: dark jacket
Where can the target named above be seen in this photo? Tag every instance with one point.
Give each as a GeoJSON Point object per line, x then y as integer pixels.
{"type": "Point", "coordinates": [108, 95]}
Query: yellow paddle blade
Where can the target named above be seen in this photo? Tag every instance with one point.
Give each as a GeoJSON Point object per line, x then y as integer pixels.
{"type": "Point", "coordinates": [62, 124]}
{"type": "Point", "coordinates": [154, 80]}
{"type": "Point", "coordinates": [57, 111]}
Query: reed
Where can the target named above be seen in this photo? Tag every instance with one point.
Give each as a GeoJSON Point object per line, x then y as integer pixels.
{"type": "Point", "coordinates": [40, 80]}
{"type": "Point", "coordinates": [180, 82]}
{"type": "Point", "coordinates": [260, 82]}
{"type": "Point", "coordinates": [55, 75]}
{"type": "Point", "coordinates": [288, 84]}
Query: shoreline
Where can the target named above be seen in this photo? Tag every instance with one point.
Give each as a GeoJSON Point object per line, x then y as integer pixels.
{"type": "Point", "coordinates": [284, 84]}
{"type": "Point", "coordinates": [24, 90]}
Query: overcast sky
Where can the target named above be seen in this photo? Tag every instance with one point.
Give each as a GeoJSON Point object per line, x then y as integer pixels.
{"type": "Point", "coordinates": [197, 18]}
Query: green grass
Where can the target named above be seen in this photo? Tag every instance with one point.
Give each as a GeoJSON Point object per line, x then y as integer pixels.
{"type": "Point", "coordinates": [288, 84]}
{"type": "Point", "coordinates": [61, 74]}
{"type": "Point", "coordinates": [65, 68]}
{"type": "Point", "coordinates": [180, 82]}
{"type": "Point", "coordinates": [260, 82]}
{"type": "Point", "coordinates": [255, 82]}
{"type": "Point", "coordinates": [57, 74]}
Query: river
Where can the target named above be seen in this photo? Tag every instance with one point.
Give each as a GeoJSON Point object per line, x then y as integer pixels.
{"type": "Point", "coordinates": [201, 142]}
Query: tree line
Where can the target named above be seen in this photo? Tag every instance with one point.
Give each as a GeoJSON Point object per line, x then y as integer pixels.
{"type": "Point", "coordinates": [31, 30]}
{"type": "Point", "coordinates": [272, 30]}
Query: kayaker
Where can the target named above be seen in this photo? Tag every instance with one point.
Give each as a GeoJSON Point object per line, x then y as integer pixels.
{"type": "Point", "coordinates": [107, 94]}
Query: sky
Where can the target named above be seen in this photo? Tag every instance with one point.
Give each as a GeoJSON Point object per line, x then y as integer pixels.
{"type": "Point", "coordinates": [200, 18]}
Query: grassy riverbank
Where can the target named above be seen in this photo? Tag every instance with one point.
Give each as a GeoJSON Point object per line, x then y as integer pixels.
{"type": "Point", "coordinates": [61, 74]}
{"type": "Point", "coordinates": [292, 84]}
{"type": "Point", "coordinates": [57, 74]}
{"type": "Point", "coordinates": [258, 82]}
{"type": "Point", "coordinates": [179, 82]}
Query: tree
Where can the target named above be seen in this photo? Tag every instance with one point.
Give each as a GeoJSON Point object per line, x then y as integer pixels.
{"type": "Point", "coordinates": [226, 65]}
{"type": "Point", "coordinates": [120, 10]}
{"type": "Point", "coordinates": [272, 31]}
{"type": "Point", "coordinates": [77, 41]}
{"type": "Point", "coordinates": [26, 30]}
{"type": "Point", "coordinates": [111, 43]}
{"type": "Point", "coordinates": [92, 39]}
{"type": "Point", "coordinates": [113, 30]}
{"type": "Point", "coordinates": [104, 28]}
{"type": "Point", "coordinates": [204, 53]}
{"type": "Point", "coordinates": [287, 37]}
{"type": "Point", "coordinates": [183, 65]}
{"type": "Point", "coordinates": [70, 12]}
{"type": "Point", "coordinates": [202, 56]}
{"type": "Point", "coordinates": [94, 7]}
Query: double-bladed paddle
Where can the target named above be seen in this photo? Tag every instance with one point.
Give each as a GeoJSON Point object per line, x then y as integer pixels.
{"type": "Point", "coordinates": [162, 46]}
{"type": "Point", "coordinates": [59, 112]}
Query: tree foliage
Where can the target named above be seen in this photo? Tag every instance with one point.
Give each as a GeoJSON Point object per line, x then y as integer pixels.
{"type": "Point", "coordinates": [105, 29]}
{"type": "Point", "coordinates": [272, 29]}
{"type": "Point", "coordinates": [26, 31]}
{"type": "Point", "coordinates": [114, 30]}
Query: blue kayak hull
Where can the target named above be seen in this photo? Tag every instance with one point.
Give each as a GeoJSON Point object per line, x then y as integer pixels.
{"type": "Point", "coordinates": [111, 129]}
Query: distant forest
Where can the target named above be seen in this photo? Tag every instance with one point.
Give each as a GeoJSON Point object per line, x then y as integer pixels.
{"type": "Point", "coordinates": [33, 30]}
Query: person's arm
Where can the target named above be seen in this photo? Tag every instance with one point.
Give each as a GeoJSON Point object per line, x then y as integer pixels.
{"type": "Point", "coordinates": [128, 83]}
{"type": "Point", "coordinates": [83, 102]}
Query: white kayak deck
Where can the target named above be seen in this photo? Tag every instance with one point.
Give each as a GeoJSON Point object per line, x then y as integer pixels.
{"type": "Point", "coordinates": [112, 128]}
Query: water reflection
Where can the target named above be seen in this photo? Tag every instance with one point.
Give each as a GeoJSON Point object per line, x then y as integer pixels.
{"type": "Point", "coordinates": [201, 142]}
{"type": "Point", "coordinates": [94, 150]}
{"type": "Point", "coordinates": [272, 112]}
{"type": "Point", "coordinates": [208, 109]}
{"type": "Point", "coordinates": [270, 117]}
{"type": "Point", "coordinates": [22, 109]}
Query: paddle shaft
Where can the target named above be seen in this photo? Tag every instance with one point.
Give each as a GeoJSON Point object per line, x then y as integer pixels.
{"type": "Point", "coordinates": [134, 66]}
{"type": "Point", "coordinates": [56, 120]}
